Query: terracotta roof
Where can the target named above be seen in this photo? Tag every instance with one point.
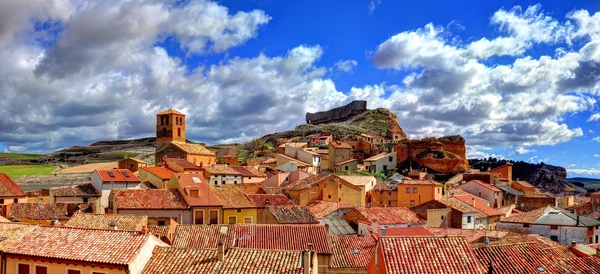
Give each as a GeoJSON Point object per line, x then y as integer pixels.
{"type": "Point", "coordinates": [183, 163]}
{"type": "Point", "coordinates": [78, 244]}
{"type": "Point", "coordinates": [170, 111]}
{"type": "Point", "coordinates": [415, 231]}
{"type": "Point", "coordinates": [35, 211]}
{"type": "Point", "coordinates": [479, 205]}
{"type": "Point", "coordinates": [159, 230]}
{"type": "Point", "coordinates": [221, 170]}
{"type": "Point", "coordinates": [385, 186]}
{"type": "Point", "coordinates": [306, 182]}
{"type": "Point", "coordinates": [117, 175]}
{"type": "Point", "coordinates": [101, 221]}
{"type": "Point", "coordinates": [148, 199]}
{"type": "Point", "coordinates": [460, 192]}
{"type": "Point", "coordinates": [379, 156]}
{"type": "Point", "coordinates": [190, 148]}
{"type": "Point", "coordinates": [247, 171]}
{"type": "Point", "coordinates": [8, 188]}
{"type": "Point", "coordinates": [486, 185]}
{"type": "Point", "coordinates": [85, 190]}
{"type": "Point", "coordinates": [345, 162]}
{"type": "Point", "coordinates": [250, 189]}
{"type": "Point", "coordinates": [525, 217]}
{"type": "Point", "coordinates": [264, 200]}
{"type": "Point", "coordinates": [359, 180]}
{"type": "Point", "coordinates": [342, 145]}
{"type": "Point", "coordinates": [12, 233]}
{"type": "Point", "coordinates": [235, 261]}
{"type": "Point", "coordinates": [231, 196]}
{"type": "Point", "coordinates": [227, 152]}
{"type": "Point", "coordinates": [471, 235]}
{"type": "Point", "coordinates": [321, 209]}
{"type": "Point", "coordinates": [419, 182]}
{"type": "Point", "coordinates": [206, 196]}
{"type": "Point", "coordinates": [202, 236]}
{"type": "Point", "coordinates": [428, 255]}
{"type": "Point", "coordinates": [294, 160]}
{"type": "Point", "coordinates": [284, 237]}
{"type": "Point", "coordinates": [524, 184]}
{"type": "Point", "coordinates": [159, 171]}
{"type": "Point", "coordinates": [351, 251]}
{"type": "Point", "coordinates": [390, 215]}
{"type": "Point", "coordinates": [292, 214]}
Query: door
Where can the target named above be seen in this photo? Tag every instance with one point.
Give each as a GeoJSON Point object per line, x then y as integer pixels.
{"type": "Point", "coordinates": [214, 217]}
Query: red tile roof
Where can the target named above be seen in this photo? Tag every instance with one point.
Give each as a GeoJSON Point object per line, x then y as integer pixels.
{"type": "Point", "coordinates": [479, 205]}
{"type": "Point", "coordinates": [351, 251]}
{"type": "Point", "coordinates": [416, 231]}
{"type": "Point", "coordinates": [263, 200]}
{"type": "Point", "coordinates": [342, 145]}
{"type": "Point", "coordinates": [181, 260]}
{"type": "Point", "coordinates": [284, 237]}
{"type": "Point", "coordinates": [101, 221]}
{"type": "Point", "coordinates": [60, 211]}
{"type": "Point", "coordinates": [160, 172]}
{"type": "Point", "coordinates": [8, 188]}
{"type": "Point", "coordinates": [419, 182]}
{"type": "Point", "coordinates": [221, 170]}
{"type": "Point", "coordinates": [471, 235]}
{"type": "Point", "coordinates": [170, 111]}
{"type": "Point", "coordinates": [88, 245]}
{"type": "Point", "coordinates": [428, 255]}
{"type": "Point", "coordinates": [159, 231]}
{"type": "Point", "coordinates": [345, 162]}
{"type": "Point", "coordinates": [85, 190]}
{"type": "Point", "coordinates": [206, 196]}
{"type": "Point", "coordinates": [148, 199]}
{"type": "Point", "coordinates": [202, 236]}
{"type": "Point", "coordinates": [527, 217]}
{"type": "Point", "coordinates": [232, 197]}
{"type": "Point", "coordinates": [321, 209]}
{"type": "Point", "coordinates": [13, 233]}
{"type": "Point", "coordinates": [390, 215]}
{"type": "Point", "coordinates": [486, 185]}
{"type": "Point", "coordinates": [248, 171]}
{"type": "Point", "coordinates": [292, 214]}
{"type": "Point", "coordinates": [118, 175]}
{"type": "Point", "coordinates": [183, 163]}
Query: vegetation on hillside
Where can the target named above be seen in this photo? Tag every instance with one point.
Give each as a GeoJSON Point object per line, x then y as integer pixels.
{"type": "Point", "coordinates": [20, 156]}
{"type": "Point", "coordinates": [14, 171]}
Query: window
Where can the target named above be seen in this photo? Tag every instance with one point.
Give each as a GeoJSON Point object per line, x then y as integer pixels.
{"type": "Point", "coordinates": [468, 219]}
{"type": "Point", "coordinates": [232, 220]}
{"type": "Point", "coordinates": [339, 199]}
{"type": "Point", "coordinates": [340, 186]}
{"type": "Point", "coordinates": [235, 182]}
{"type": "Point", "coordinates": [554, 227]}
{"type": "Point", "coordinates": [166, 123]}
{"type": "Point", "coordinates": [216, 182]}
{"type": "Point", "coordinates": [596, 238]}
{"type": "Point", "coordinates": [389, 193]}
{"type": "Point", "coordinates": [329, 196]}
{"type": "Point", "coordinates": [179, 132]}
{"type": "Point", "coordinates": [162, 120]}
{"type": "Point", "coordinates": [126, 174]}
{"type": "Point", "coordinates": [390, 158]}
{"type": "Point", "coordinates": [222, 182]}
{"type": "Point", "coordinates": [525, 225]}
{"type": "Point", "coordinates": [442, 217]}
{"type": "Point", "coordinates": [346, 167]}
{"type": "Point", "coordinates": [438, 190]}
{"type": "Point", "coordinates": [239, 210]}
{"type": "Point", "coordinates": [73, 271]}
{"type": "Point", "coordinates": [111, 175]}
{"type": "Point", "coordinates": [414, 190]}
{"type": "Point", "coordinates": [164, 132]}
{"type": "Point", "coordinates": [22, 269]}
{"type": "Point", "coordinates": [131, 166]}
{"type": "Point", "coordinates": [247, 220]}
{"type": "Point", "coordinates": [389, 203]}
{"type": "Point", "coordinates": [214, 217]}
{"type": "Point", "coordinates": [199, 217]}
{"type": "Point", "coordinates": [408, 190]}
{"type": "Point", "coordinates": [554, 238]}
{"type": "Point", "coordinates": [41, 269]}
{"type": "Point", "coordinates": [384, 167]}
{"type": "Point", "coordinates": [412, 202]}
{"type": "Point", "coordinates": [194, 193]}
{"type": "Point", "coordinates": [85, 200]}
{"type": "Point", "coordinates": [16, 200]}
{"type": "Point", "coordinates": [162, 222]}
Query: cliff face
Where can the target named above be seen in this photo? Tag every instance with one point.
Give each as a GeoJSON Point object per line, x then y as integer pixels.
{"type": "Point", "coordinates": [444, 155]}
{"type": "Point", "coordinates": [337, 114]}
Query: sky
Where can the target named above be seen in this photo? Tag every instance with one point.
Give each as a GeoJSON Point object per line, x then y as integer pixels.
{"type": "Point", "coordinates": [518, 80]}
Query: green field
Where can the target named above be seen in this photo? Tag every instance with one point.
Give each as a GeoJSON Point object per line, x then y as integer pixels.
{"type": "Point", "coordinates": [14, 171]}
{"type": "Point", "coordinates": [20, 156]}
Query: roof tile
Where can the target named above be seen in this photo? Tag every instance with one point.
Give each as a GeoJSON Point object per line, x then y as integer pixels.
{"type": "Point", "coordinates": [148, 199]}
{"type": "Point", "coordinates": [8, 188]}
{"type": "Point", "coordinates": [101, 221]}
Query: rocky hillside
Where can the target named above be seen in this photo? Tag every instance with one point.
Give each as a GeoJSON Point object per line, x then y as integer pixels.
{"type": "Point", "coordinates": [543, 176]}
{"type": "Point", "coordinates": [441, 155]}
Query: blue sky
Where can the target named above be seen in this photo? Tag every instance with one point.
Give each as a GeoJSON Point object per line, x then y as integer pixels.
{"type": "Point", "coordinates": [516, 79]}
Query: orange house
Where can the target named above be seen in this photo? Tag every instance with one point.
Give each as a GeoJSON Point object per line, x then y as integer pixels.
{"type": "Point", "coordinates": [406, 193]}
{"type": "Point", "coordinates": [503, 173]}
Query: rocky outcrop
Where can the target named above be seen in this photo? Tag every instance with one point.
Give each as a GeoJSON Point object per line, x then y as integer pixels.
{"type": "Point", "coordinates": [337, 114]}
{"type": "Point", "coordinates": [443, 155]}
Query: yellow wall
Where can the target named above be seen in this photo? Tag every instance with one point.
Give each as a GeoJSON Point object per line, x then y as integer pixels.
{"type": "Point", "coordinates": [206, 211]}
{"type": "Point", "coordinates": [204, 159]}
{"type": "Point", "coordinates": [342, 192]}
{"type": "Point", "coordinates": [11, 267]}
{"type": "Point", "coordinates": [146, 176]}
{"type": "Point", "coordinates": [425, 193]}
{"type": "Point", "coordinates": [246, 212]}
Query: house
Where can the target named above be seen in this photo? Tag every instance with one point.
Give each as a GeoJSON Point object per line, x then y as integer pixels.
{"type": "Point", "coordinates": [262, 201]}
{"type": "Point", "coordinates": [230, 261]}
{"type": "Point", "coordinates": [471, 235]}
{"type": "Point", "coordinates": [375, 139]}
{"type": "Point", "coordinates": [158, 176]}
{"type": "Point", "coordinates": [298, 145]}
{"type": "Point", "coordinates": [160, 205]}
{"type": "Point", "coordinates": [12, 233]}
{"type": "Point", "coordinates": [503, 173]}
{"type": "Point", "coordinates": [351, 253]}
{"type": "Point", "coordinates": [250, 175]}
{"type": "Point", "coordinates": [488, 217]}
{"type": "Point", "coordinates": [181, 166]}
{"type": "Point", "coordinates": [193, 153]}
{"type": "Point", "coordinates": [365, 219]}
{"type": "Point", "coordinates": [555, 223]}
{"type": "Point", "coordinates": [204, 204]}
{"type": "Point", "coordinates": [406, 192]}
{"type": "Point", "coordinates": [331, 214]}
{"type": "Point", "coordinates": [299, 157]}
{"type": "Point", "coordinates": [47, 214]}
{"type": "Point", "coordinates": [340, 157]}
{"type": "Point", "coordinates": [78, 194]}
{"type": "Point", "coordinates": [525, 187]}
{"type": "Point", "coordinates": [447, 214]}
{"type": "Point", "coordinates": [396, 134]}
{"type": "Point", "coordinates": [10, 193]}
{"type": "Point", "coordinates": [109, 179]}
{"type": "Point", "coordinates": [133, 164]}
{"type": "Point", "coordinates": [227, 156]}
{"type": "Point", "coordinates": [69, 250]}
{"type": "Point", "coordinates": [383, 162]}
{"type": "Point", "coordinates": [281, 178]}
{"type": "Point", "coordinates": [326, 188]}
{"type": "Point", "coordinates": [127, 222]}
{"type": "Point", "coordinates": [221, 174]}
{"type": "Point", "coordinates": [511, 195]}
{"type": "Point", "coordinates": [164, 232]}
{"type": "Point", "coordinates": [322, 140]}
{"type": "Point", "coordinates": [486, 191]}
{"type": "Point", "coordinates": [286, 214]}
{"type": "Point", "coordinates": [435, 255]}
{"type": "Point", "coordinates": [237, 207]}
{"type": "Point", "coordinates": [291, 164]}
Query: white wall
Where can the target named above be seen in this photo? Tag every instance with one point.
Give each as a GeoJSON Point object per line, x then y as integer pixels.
{"type": "Point", "coordinates": [144, 254]}
{"type": "Point", "coordinates": [483, 192]}
{"type": "Point", "coordinates": [229, 179]}
{"type": "Point", "coordinates": [105, 189]}
{"type": "Point", "coordinates": [465, 219]}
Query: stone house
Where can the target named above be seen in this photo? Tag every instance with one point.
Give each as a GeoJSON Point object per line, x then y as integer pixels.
{"type": "Point", "coordinates": [486, 191]}
{"type": "Point", "coordinates": [179, 165]}
{"type": "Point", "coordinates": [78, 194]}
{"type": "Point", "coordinates": [205, 206]}
{"type": "Point", "coordinates": [132, 164]}
{"type": "Point", "coordinates": [158, 176]}
{"type": "Point", "coordinates": [222, 174]}
{"type": "Point", "coordinates": [327, 188]}
{"type": "Point", "coordinates": [405, 192]}
{"type": "Point", "coordinates": [485, 217]}
{"type": "Point", "coordinates": [194, 153]}
{"type": "Point", "coordinates": [227, 156]}
{"type": "Point", "coordinates": [382, 162]}
{"type": "Point", "coordinates": [447, 214]}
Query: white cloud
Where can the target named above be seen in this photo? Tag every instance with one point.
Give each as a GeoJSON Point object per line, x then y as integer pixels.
{"type": "Point", "coordinates": [597, 139]}
{"type": "Point", "coordinates": [590, 172]}
{"type": "Point", "coordinates": [572, 165]}
{"type": "Point", "coordinates": [522, 150]}
{"type": "Point", "coordinates": [345, 65]}
{"type": "Point", "coordinates": [597, 155]}
{"type": "Point", "coordinates": [373, 5]}
{"type": "Point", "coordinates": [594, 117]}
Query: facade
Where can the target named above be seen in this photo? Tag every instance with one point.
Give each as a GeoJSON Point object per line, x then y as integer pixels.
{"type": "Point", "coordinates": [222, 175]}
{"type": "Point", "coordinates": [339, 152]}
{"type": "Point", "coordinates": [107, 180]}
{"type": "Point", "coordinates": [193, 153]}
{"type": "Point", "coordinates": [382, 162]}
{"type": "Point", "coordinates": [78, 194]}
{"type": "Point", "coordinates": [447, 214]}
{"type": "Point", "coordinates": [346, 166]}
{"type": "Point", "coordinates": [486, 191]}
{"type": "Point", "coordinates": [132, 164]}
{"type": "Point", "coordinates": [205, 206]}
{"type": "Point", "coordinates": [237, 207]}
{"type": "Point", "coordinates": [181, 166]}
{"type": "Point", "coordinates": [327, 188]}
{"type": "Point", "coordinates": [160, 205]}
{"type": "Point", "coordinates": [503, 173]}
{"type": "Point", "coordinates": [10, 193]}
{"type": "Point", "coordinates": [250, 175]}
{"type": "Point", "coordinates": [227, 156]}
{"type": "Point", "coordinates": [405, 192]}
{"type": "Point", "coordinates": [158, 176]}
{"type": "Point", "coordinates": [302, 158]}
{"type": "Point", "coordinates": [485, 217]}
{"type": "Point", "coordinates": [525, 187]}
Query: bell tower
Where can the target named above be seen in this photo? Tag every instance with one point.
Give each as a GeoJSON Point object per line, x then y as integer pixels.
{"type": "Point", "coordinates": [170, 127]}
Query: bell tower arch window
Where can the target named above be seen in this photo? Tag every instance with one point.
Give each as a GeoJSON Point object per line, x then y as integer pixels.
{"type": "Point", "coordinates": [178, 132]}
{"type": "Point", "coordinates": [164, 132]}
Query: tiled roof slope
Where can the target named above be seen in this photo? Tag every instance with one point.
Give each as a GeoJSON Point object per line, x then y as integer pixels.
{"type": "Point", "coordinates": [480, 206]}
{"type": "Point", "coordinates": [148, 199]}
{"type": "Point", "coordinates": [166, 260]}
{"type": "Point", "coordinates": [390, 215]}
{"type": "Point", "coordinates": [247, 171]}
{"type": "Point", "coordinates": [118, 175]}
{"type": "Point", "coordinates": [85, 190]}
{"type": "Point", "coordinates": [191, 148]}
{"type": "Point", "coordinates": [13, 233]}
{"type": "Point", "coordinates": [472, 235]}
{"type": "Point", "coordinates": [321, 209]}
{"type": "Point", "coordinates": [284, 237]}
{"type": "Point", "coordinates": [232, 197]}
{"type": "Point", "coordinates": [101, 221]}
{"type": "Point", "coordinates": [486, 185]}
{"type": "Point", "coordinates": [306, 182]}
{"type": "Point", "coordinates": [525, 217]}
{"type": "Point", "coordinates": [221, 170]}
{"type": "Point", "coordinates": [358, 180]}
{"type": "Point", "coordinates": [522, 258]}
{"type": "Point", "coordinates": [159, 230]}
{"type": "Point", "coordinates": [170, 111]}
{"type": "Point", "coordinates": [183, 163]}
{"type": "Point", "coordinates": [206, 196]}
{"type": "Point", "coordinates": [34, 211]}
{"type": "Point", "coordinates": [351, 251]}
{"type": "Point", "coordinates": [292, 214]}
{"type": "Point", "coordinates": [89, 245]}
{"type": "Point", "coordinates": [264, 200]}
{"type": "Point", "coordinates": [429, 255]}
{"type": "Point", "coordinates": [8, 188]}
{"type": "Point", "coordinates": [159, 171]}
{"type": "Point", "coordinates": [202, 236]}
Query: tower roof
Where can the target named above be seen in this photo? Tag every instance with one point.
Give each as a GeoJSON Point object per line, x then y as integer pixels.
{"type": "Point", "coordinates": [170, 111]}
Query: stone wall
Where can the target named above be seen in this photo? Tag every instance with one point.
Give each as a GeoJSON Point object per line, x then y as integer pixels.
{"type": "Point", "coordinates": [530, 203]}
{"type": "Point", "coordinates": [337, 114]}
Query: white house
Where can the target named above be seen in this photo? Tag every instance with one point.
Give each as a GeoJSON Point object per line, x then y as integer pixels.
{"type": "Point", "coordinates": [107, 180]}
{"type": "Point", "coordinates": [222, 175]}
{"type": "Point", "coordinates": [380, 162]}
{"type": "Point", "coordinates": [486, 191]}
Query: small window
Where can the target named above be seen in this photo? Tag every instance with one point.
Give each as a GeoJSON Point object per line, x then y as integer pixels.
{"type": "Point", "coordinates": [22, 269]}
{"type": "Point", "coordinates": [468, 219]}
{"type": "Point", "coordinates": [232, 220]}
{"type": "Point", "coordinates": [408, 190]}
{"type": "Point", "coordinates": [414, 190]}
{"type": "Point", "coordinates": [222, 182]}
{"type": "Point", "coordinates": [131, 166]}
{"type": "Point", "coordinates": [73, 271]}
{"type": "Point", "coordinates": [442, 217]}
{"type": "Point", "coordinates": [111, 174]}
{"type": "Point", "coordinates": [554, 238]}
{"type": "Point", "coordinates": [85, 200]}
{"type": "Point", "coordinates": [16, 200]}
{"type": "Point", "coordinates": [162, 222]}
{"type": "Point", "coordinates": [41, 269]}
{"type": "Point", "coordinates": [346, 167]}
{"type": "Point", "coordinates": [390, 158]}
{"type": "Point", "coordinates": [329, 196]}
{"type": "Point", "coordinates": [340, 186]}
{"type": "Point", "coordinates": [235, 182]}
{"type": "Point", "coordinates": [239, 210]}
{"type": "Point", "coordinates": [247, 220]}
{"type": "Point", "coordinates": [412, 202]}
{"type": "Point", "coordinates": [525, 225]}
{"type": "Point", "coordinates": [194, 193]}
{"type": "Point", "coordinates": [389, 203]}
{"type": "Point", "coordinates": [554, 227]}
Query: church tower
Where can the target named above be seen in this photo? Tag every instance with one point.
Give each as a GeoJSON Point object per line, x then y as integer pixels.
{"type": "Point", "coordinates": [170, 127]}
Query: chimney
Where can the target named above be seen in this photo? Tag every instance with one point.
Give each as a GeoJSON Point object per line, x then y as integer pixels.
{"type": "Point", "coordinates": [374, 226]}
{"type": "Point", "coordinates": [577, 220]}
{"type": "Point", "coordinates": [573, 243]}
{"type": "Point", "coordinates": [306, 259]}
{"type": "Point", "coordinates": [220, 251]}
{"type": "Point", "coordinates": [382, 234]}
{"type": "Point", "coordinates": [113, 225]}
{"type": "Point", "coordinates": [54, 221]}
{"type": "Point", "coordinates": [473, 202]}
{"type": "Point", "coordinates": [144, 230]}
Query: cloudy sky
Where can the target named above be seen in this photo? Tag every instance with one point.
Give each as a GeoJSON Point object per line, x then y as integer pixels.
{"type": "Point", "coordinates": [518, 82]}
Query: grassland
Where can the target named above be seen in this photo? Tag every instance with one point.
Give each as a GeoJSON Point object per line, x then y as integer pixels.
{"type": "Point", "coordinates": [14, 171]}
{"type": "Point", "coordinates": [20, 156]}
